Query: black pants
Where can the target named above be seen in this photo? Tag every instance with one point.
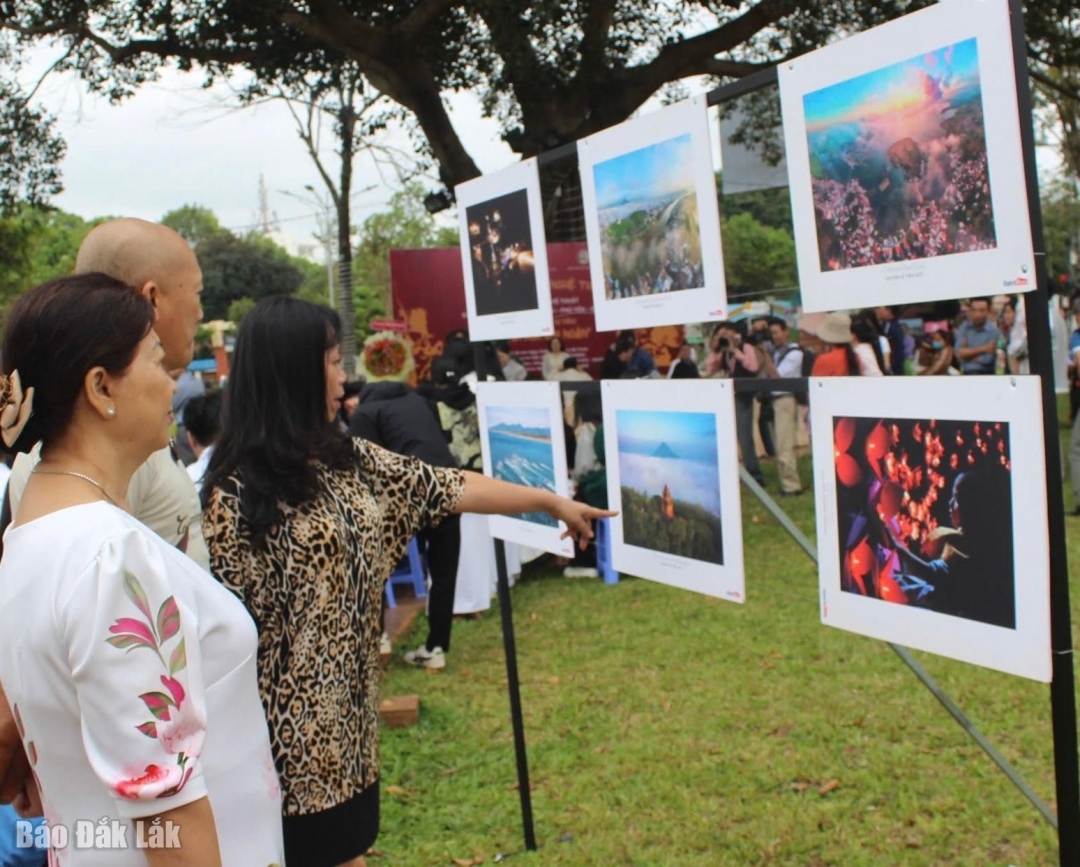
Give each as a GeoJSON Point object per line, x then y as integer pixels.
{"type": "Point", "coordinates": [336, 835]}
{"type": "Point", "coordinates": [443, 546]}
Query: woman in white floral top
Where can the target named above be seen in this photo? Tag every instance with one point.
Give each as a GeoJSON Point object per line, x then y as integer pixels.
{"type": "Point", "coordinates": [130, 671]}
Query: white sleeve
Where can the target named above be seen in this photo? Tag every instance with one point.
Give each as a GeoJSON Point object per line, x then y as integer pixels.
{"type": "Point", "coordinates": [133, 648]}
{"type": "Point", "coordinates": [790, 366]}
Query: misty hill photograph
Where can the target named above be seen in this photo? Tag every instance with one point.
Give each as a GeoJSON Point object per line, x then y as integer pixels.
{"type": "Point", "coordinates": [669, 478]}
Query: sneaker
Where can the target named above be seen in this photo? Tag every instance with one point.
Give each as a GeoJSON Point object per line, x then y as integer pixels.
{"type": "Point", "coordinates": [435, 660]}
{"type": "Point", "coordinates": [385, 647]}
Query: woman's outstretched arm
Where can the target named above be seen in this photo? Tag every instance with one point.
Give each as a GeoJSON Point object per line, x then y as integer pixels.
{"type": "Point", "coordinates": [488, 496]}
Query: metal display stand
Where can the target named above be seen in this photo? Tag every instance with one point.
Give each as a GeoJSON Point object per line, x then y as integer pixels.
{"type": "Point", "coordinates": [1062, 690]}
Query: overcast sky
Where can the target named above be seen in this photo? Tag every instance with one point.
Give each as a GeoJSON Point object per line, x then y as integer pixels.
{"type": "Point", "coordinates": [173, 144]}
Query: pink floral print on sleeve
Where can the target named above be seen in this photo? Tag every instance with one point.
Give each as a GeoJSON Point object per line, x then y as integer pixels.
{"type": "Point", "coordinates": [176, 724]}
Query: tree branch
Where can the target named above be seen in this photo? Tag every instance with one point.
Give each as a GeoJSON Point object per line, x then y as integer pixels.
{"type": "Point", "coordinates": [598, 21]}
{"type": "Point", "coordinates": [332, 24]}
{"type": "Point", "coordinates": [1050, 83]}
{"type": "Point", "coordinates": [721, 68]}
{"type": "Point", "coordinates": [426, 13]}
{"type": "Point", "coordinates": [672, 61]}
{"type": "Point", "coordinates": [46, 74]}
{"type": "Point", "coordinates": [689, 57]}
{"type": "Point", "coordinates": [511, 42]}
{"type": "Point", "coordinates": [307, 136]}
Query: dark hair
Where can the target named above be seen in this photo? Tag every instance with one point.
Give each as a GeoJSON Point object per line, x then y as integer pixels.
{"type": "Point", "coordinates": [780, 322]}
{"type": "Point", "coordinates": [63, 329]}
{"type": "Point", "coordinates": [274, 431]}
{"type": "Point", "coordinates": [989, 302]}
{"type": "Point", "coordinates": [562, 346]}
{"type": "Point", "coordinates": [570, 363]}
{"type": "Point", "coordinates": [686, 370]}
{"type": "Point", "coordinates": [444, 371]}
{"type": "Point", "coordinates": [202, 417]}
{"type": "Point", "coordinates": [986, 527]}
{"type": "Point", "coordinates": [460, 353]}
{"type": "Point", "coordinates": [865, 331]}
{"type": "Point", "coordinates": [589, 406]}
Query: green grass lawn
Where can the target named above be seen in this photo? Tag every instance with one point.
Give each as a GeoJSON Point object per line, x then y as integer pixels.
{"type": "Point", "coordinates": [667, 728]}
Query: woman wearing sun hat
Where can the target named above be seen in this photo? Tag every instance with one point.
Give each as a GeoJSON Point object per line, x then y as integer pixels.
{"type": "Point", "coordinates": [839, 359]}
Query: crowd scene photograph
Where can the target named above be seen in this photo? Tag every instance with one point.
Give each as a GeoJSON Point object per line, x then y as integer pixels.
{"type": "Point", "coordinates": [899, 162]}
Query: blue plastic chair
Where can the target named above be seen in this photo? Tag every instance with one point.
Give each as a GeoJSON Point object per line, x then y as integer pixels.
{"type": "Point", "coordinates": [603, 551]}
{"type": "Point", "coordinates": [409, 571]}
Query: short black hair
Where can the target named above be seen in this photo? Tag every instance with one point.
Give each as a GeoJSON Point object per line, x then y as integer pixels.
{"type": "Point", "coordinates": [569, 363]}
{"type": "Point", "coordinates": [989, 301]}
{"type": "Point", "coordinates": [779, 320]}
{"type": "Point", "coordinates": [202, 417]}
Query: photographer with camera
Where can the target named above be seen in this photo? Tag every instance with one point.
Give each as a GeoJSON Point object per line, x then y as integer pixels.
{"type": "Point", "coordinates": [732, 356]}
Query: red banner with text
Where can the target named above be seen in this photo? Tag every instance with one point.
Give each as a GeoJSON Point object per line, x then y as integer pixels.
{"type": "Point", "coordinates": [429, 297]}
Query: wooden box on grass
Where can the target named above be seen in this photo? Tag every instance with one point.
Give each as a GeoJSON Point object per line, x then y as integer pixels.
{"type": "Point", "coordinates": [400, 711]}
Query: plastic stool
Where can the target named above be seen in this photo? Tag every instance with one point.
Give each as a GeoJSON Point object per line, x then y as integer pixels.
{"type": "Point", "coordinates": [409, 571]}
{"type": "Point", "coordinates": [603, 551]}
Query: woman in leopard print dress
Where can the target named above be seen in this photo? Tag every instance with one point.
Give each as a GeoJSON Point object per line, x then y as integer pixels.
{"type": "Point", "coordinates": [305, 526]}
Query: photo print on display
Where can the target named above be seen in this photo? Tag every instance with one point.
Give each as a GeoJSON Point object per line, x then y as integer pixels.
{"type": "Point", "coordinates": [504, 255]}
{"type": "Point", "coordinates": [905, 162]}
{"type": "Point", "coordinates": [521, 432]}
{"type": "Point", "coordinates": [673, 475]}
{"type": "Point", "coordinates": [931, 515]}
{"type": "Point", "coordinates": [652, 220]}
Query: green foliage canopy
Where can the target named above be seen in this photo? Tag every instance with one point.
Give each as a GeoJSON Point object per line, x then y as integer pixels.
{"type": "Point", "coordinates": [551, 71]}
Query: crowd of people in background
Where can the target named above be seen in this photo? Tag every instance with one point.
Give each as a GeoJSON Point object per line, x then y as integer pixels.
{"type": "Point", "coordinates": [980, 336]}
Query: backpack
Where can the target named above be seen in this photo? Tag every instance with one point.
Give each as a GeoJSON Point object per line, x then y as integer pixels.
{"type": "Point", "coordinates": [802, 398]}
{"type": "Point", "coordinates": [462, 429]}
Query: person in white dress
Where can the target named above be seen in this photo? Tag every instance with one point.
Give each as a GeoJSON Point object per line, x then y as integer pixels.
{"type": "Point", "coordinates": [130, 671]}
{"type": "Point", "coordinates": [554, 359]}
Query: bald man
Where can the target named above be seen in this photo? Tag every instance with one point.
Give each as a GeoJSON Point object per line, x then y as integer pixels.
{"type": "Point", "coordinates": [161, 266]}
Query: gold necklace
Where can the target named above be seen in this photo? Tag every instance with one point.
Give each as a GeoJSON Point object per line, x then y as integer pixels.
{"type": "Point", "coordinates": [78, 476]}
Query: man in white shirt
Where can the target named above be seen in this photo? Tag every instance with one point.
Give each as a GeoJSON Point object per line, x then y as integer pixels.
{"type": "Point", "coordinates": [787, 360]}
{"type": "Point", "coordinates": [512, 369]}
{"type": "Point", "coordinates": [571, 372]}
{"type": "Point", "coordinates": [160, 265]}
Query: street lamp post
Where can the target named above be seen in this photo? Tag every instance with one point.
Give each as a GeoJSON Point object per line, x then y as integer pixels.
{"type": "Point", "coordinates": [324, 218]}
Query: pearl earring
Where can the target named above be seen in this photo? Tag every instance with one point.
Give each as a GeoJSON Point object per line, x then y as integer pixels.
{"type": "Point", "coordinates": [110, 411]}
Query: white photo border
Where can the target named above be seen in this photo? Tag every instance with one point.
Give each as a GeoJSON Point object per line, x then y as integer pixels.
{"type": "Point", "coordinates": [714, 396]}
{"type": "Point", "coordinates": [1024, 651]}
{"type": "Point", "coordinates": [532, 395]}
{"type": "Point", "coordinates": [1010, 267]}
{"type": "Point", "coordinates": [706, 304]}
{"type": "Point", "coordinates": [539, 322]}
